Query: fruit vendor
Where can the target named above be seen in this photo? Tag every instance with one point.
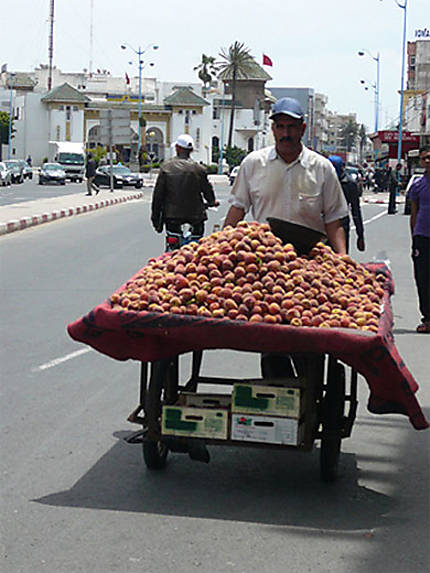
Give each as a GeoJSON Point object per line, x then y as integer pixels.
{"type": "Point", "coordinates": [180, 192]}
{"type": "Point", "coordinates": [289, 181]}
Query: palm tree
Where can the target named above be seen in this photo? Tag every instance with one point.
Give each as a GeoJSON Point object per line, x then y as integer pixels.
{"type": "Point", "coordinates": [349, 134]}
{"type": "Point", "coordinates": [237, 63]}
{"type": "Point", "coordinates": [362, 134]}
{"type": "Point", "coordinates": [207, 69]}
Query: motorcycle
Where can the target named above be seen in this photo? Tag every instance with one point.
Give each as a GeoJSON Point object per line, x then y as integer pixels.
{"type": "Point", "coordinates": [179, 234]}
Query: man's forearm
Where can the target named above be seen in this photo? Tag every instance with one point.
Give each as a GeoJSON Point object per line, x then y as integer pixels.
{"type": "Point", "coordinates": [336, 236]}
{"type": "Point", "coordinates": [234, 215]}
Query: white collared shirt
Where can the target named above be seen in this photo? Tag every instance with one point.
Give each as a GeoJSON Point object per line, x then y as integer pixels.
{"type": "Point", "coordinates": [306, 192]}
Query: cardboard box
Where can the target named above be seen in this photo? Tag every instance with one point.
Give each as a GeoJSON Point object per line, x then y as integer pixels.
{"type": "Point", "coordinates": [195, 400]}
{"type": "Point", "coordinates": [266, 429]}
{"type": "Point", "coordinates": [194, 422]}
{"type": "Point", "coordinates": [271, 400]}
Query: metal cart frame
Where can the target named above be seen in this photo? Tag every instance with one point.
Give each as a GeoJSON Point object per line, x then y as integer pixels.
{"type": "Point", "coordinates": [324, 384]}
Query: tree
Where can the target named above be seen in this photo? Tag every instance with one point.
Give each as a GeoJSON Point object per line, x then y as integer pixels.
{"type": "Point", "coordinates": [362, 134]}
{"type": "Point", "coordinates": [207, 69]}
{"type": "Point", "coordinates": [349, 133]}
{"type": "Point", "coordinates": [236, 63]}
{"type": "Point", "coordinates": [4, 127]}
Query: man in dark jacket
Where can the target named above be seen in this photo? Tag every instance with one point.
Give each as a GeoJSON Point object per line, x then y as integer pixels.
{"type": "Point", "coordinates": [90, 173]}
{"type": "Point", "coordinates": [352, 196]}
{"type": "Point", "coordinates": [180, 191]}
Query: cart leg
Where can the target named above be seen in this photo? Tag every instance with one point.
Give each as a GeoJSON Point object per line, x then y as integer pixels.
{"type": "Point", "coordinates": [332, 420]}
{"type": "Point", "coordinates": [163, 381]}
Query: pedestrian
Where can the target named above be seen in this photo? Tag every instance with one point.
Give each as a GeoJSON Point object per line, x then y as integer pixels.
{"type": "Point", "coordinates": [419, 194]}
{"type": "Point", "coordinates": [181, 190]}
{"type": "Point", "coordinates": [29, 161]}
{"type": "Point", "coordinates": [90, 174]}
{"type": "Point", "coordinates": [379, 180]}
{"type": "Point", "coordinates": [392, 185]}
{"type": "Point", "coordinates": [352, 195]}
{"type": "Point", "coordinates": [289, 181]}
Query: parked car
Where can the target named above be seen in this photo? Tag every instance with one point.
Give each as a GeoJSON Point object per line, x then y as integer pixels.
{"type": "Point", "coordinates": [26, 169]}
{"type": "Point", "coordinates": [5, 175]}
{"type": "Point", "coordinates": [122, 175]}
{"type": "Point", "coordinates": [16, 170]}
{"type": "Point", "coordinates": [233, 174]}
{"type": "Point", "coordinates": [52, 173]}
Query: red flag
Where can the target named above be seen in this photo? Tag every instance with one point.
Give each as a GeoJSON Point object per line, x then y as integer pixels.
{"type": "Point", "coordinates": [267, 61]}
{"type": "Point", "coordinates": [127, 79]}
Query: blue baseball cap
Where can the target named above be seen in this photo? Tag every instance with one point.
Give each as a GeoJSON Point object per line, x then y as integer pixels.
{"type": "Point", "coordinates": [287, 106]}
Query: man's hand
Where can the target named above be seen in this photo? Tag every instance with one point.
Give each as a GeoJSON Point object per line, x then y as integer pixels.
{"type": "Point", "coordinates": [360, 244]}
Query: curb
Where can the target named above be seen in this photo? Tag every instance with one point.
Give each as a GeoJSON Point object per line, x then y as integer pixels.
{"type": "Point", "coordinates": [382, 201]}
{"type": "Point", "coordinates": [25, 222]}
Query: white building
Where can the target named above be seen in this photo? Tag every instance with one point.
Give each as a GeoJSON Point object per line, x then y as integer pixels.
{"type": "Point", "coordinates": [71, 112]}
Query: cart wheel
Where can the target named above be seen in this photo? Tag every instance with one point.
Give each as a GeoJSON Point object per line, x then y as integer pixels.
{"type": "Point", "coordinates": [155, 455]}
{"type": "Point", "coordinates": [162, 386]}
{"type": "Point", "coordinates": [332, 421]}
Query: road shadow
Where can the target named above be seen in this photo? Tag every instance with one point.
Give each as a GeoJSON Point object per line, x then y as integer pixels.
{"type": "Point", "coordinates": [404, 331]}
{"type": "Point", "coordinates": [241, 484]}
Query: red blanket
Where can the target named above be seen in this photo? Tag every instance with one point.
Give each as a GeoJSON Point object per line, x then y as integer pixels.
{"type": "Point", "coordinates": [147, 336]}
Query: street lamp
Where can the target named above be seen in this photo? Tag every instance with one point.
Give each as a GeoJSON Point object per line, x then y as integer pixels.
{"type": "Point", "coordinates": [139, 52]}
{"type": "Point", "coordinates": [404, 7]}
{"type": "Point", "coordinates": [376, 85]}
{"type": "Point", "coordinates": [12, 75]}
{"type": "Point", "coordinates": [220, 166]}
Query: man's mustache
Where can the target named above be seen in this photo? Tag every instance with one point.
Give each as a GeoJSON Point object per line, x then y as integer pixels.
{"type": "Point", "coordinates": [285, 138]}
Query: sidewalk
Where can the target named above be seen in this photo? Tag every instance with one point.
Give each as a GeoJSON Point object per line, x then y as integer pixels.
{"type": "Point", "coordinates": [19, 216]}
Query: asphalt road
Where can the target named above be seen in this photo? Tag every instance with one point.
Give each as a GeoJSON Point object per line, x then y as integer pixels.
{"type": "Point", "coordinates": [76, 497]}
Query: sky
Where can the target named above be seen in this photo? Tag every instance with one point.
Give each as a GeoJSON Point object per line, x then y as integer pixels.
{"type": "Point", "coordinates": [312, 43]}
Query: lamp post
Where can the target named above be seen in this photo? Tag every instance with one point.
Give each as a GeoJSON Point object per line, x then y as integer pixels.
{"type": "Point", "coordinates": [222, 131]}
{"type": "Point", "coordinates": [404, 7]}
{"type": "Point", "coordinates": [139, 52]}
{"type": "Point", "coordinates": [10, 116]}
{"type": "Point", "coordinates": [376, 85]}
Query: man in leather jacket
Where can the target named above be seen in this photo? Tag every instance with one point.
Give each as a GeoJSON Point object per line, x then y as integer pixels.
{"type": "Point", "coordinates": [180, 192]}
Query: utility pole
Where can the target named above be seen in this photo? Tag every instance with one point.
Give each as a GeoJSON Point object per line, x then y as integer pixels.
{"type": "Point", "coordinates": [51, 43]}
{"type": "Point", "coordinates": [91, 38]}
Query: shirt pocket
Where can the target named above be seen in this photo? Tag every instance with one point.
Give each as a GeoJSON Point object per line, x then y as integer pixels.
{"type": "Point", "coordinates": [308, 190]}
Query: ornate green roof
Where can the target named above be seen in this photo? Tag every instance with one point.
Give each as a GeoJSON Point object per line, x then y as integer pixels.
{"type": "Point", "coordinates": [185, 96]}
{"type": "Point", "coordinates": [65, 94]}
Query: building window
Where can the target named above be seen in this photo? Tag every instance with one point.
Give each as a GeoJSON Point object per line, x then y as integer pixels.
{"type": "Point", "coordinates": [61, 107]}
{"type": "Point", "coordinates": [180, 111]}
{"type": "Point", "coordinates": [57, 133]}
{"type": "Point", "coordinates": [68, 113]}
{"type": "Point", "coordinates": [198, 138]}
{"type": "Point", "coordinates": [75, 108]}
{"type": "Point", "coordinates": [215, 113]}
{"type": "Point", "coordinates": [194, 112]}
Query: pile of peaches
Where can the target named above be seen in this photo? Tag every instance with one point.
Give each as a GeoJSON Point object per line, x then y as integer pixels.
{"type": "Point", "coordinates": [245, 273]}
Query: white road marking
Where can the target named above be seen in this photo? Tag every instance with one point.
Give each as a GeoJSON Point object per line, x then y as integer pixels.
{"type": "Point", "coordinates": [62, 359]}
{"type": "Point", "coordinates": [378, 216]}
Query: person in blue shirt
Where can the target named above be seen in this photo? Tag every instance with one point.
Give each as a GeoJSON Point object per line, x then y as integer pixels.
{"type": "Point", "coordinates": [419, 195]}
